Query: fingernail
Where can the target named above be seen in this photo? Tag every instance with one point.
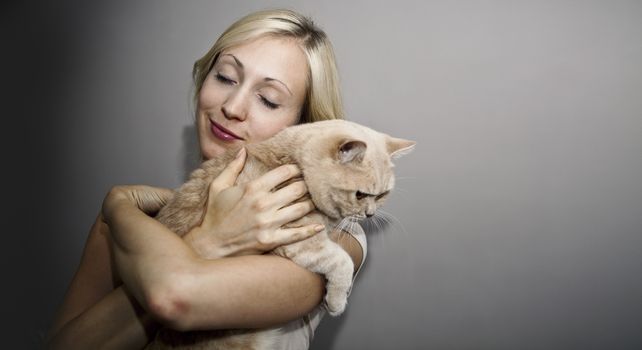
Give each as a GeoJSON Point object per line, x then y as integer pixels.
{"type": "Point", "coordinates": [319, 228]}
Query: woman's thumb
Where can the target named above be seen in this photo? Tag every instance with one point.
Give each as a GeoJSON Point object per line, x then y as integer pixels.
{"type": "Point", "coordinates": [228, 176]}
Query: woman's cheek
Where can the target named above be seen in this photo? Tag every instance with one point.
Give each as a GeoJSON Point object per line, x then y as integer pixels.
{"type": "Point", "coordinates": [263, 132]}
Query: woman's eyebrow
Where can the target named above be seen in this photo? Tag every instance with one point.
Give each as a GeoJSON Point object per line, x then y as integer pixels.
{"type": "Point", "coordinates": [240, 64]}
{"type": "Point", "coordinates": [272, 79]}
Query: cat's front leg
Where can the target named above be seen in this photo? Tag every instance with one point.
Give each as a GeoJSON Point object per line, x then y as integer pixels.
{"type": "Point", "coordinates": [339, 281]}
{"type": "Point", "coordinates": [321, 255]}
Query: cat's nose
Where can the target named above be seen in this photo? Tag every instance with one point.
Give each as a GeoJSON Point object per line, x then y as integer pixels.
{"type": "Point", "coordinates": [369, 214]}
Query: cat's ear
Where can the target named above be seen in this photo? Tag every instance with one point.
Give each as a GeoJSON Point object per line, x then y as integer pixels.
{"type": "Point", "coordinates": [351, 151]}
{"type": "Point", "coordinates": [399, 147]}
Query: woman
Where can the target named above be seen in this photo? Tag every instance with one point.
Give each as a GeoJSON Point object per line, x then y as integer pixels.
{"type": "Point", "coordinates": [269, 70]}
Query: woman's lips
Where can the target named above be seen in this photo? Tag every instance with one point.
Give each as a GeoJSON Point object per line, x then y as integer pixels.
{"type": "Point", "coordinates": [222, 133]}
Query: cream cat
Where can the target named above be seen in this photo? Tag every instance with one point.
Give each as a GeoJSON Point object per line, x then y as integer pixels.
{"type": "Point", "coordinates": [348, 171]}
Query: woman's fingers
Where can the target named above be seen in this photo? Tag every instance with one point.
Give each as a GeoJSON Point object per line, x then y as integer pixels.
{"type": "Point", "coordinates": [164, 194]}
{"type": "Point", "coordinates": [293, 212]}
{"type": "Point", "coordinates": [284, 196]}
{"type": "Point", "coordinates": [294, 234]}
{"type": "Point", "coordinates": [253, 213]}
{"type": "Point", "coordinates": [228, 176]}
{"type": "Point", "coordinates": [274, 177]}
{"type": "Point", "coordinates": [147, 198]}
{"type": "Point", "coordinates": [152, 199]}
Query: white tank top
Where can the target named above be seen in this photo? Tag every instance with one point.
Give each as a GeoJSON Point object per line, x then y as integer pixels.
{"type": "Point", "coordinates": [298, 334]}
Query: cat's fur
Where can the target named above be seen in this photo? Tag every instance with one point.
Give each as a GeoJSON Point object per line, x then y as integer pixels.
{"type": "Point", "coordinates": [337, 158]}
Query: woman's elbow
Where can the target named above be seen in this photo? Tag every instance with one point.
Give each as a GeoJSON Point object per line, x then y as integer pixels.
{"type": "Point", "coordinates": [169, 305]}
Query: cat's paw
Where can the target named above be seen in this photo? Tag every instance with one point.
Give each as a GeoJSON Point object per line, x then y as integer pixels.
{"type": "Point", "coordinates": [335, 303]}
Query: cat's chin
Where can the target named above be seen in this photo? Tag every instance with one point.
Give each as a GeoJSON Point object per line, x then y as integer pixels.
{"type": "Point", "coordinates": [352, 218]}
{"type": "Point", "coordinates": [333, 214]}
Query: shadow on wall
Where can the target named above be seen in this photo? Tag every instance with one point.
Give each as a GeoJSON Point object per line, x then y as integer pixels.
{"type": "Point", "coordinates": [191, 152]}
{"type": "Point", "coordinates": [325, 335]}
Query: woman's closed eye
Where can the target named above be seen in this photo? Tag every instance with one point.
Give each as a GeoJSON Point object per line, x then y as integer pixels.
{"type": "Point", "coordinates": [269, 104]}
{"type": "Point", "coordinates": [223, 79]}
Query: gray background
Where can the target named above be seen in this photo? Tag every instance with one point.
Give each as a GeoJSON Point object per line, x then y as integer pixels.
{"type": "Point", "coordinates": [518, 217]}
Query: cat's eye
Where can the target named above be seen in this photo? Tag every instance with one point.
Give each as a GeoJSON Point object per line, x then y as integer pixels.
{"type": "Point", "coordinates": [381, 196]}
{"type": "Point", "coordinates": [361, 195]}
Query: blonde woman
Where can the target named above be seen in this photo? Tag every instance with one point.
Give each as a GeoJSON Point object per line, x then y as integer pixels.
{"type": "Point", "coordinates": [269, 70]}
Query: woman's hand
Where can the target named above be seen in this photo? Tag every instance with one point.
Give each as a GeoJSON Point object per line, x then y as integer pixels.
{"type": "Point", "coordinates": [147, 198]}
{"type": "Point", "coordinates": [248, 219]}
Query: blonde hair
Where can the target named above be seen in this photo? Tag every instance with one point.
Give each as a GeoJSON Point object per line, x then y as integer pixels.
{"type": "Point", "coordinates": [323, 96]}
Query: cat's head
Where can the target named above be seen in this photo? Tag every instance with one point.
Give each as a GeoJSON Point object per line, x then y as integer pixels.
{"type": "Point", "coordinates": [348, 168]}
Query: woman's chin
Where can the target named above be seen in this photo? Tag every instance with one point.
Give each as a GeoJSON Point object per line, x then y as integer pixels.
{"type": "Point", "coordinates": [212, 151]}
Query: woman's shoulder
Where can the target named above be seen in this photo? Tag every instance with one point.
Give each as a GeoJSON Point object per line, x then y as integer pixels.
{"type": "Point", "coordinates": [359, 234]}
{"type": "Point", "coordinates": [352, 239]}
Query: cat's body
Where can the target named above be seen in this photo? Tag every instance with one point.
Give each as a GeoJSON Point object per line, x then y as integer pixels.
{"type": "Point", "coordinates": [347, 170]}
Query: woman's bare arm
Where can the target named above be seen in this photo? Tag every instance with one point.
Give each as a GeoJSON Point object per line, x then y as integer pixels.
{"type": "Point", "coordinates": [93, 279]}
{"type": "Point", "coordinates": [267, 290]}
{"type": "Point", "coordinates": [185, 291]}
{"type": "Point", "coordinates": [115, 322]}
{"type": "Point", "coordinates": [95, 314]}
{"type": "Point", "coordinates": [252, 291]}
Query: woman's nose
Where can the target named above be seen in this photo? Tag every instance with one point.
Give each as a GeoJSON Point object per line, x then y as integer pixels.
{"type": "Point", "coordinates": [235, 107]}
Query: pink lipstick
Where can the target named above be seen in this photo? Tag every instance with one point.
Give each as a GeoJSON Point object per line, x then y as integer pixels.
{"type": "Point", "coordinates": [223, 134]}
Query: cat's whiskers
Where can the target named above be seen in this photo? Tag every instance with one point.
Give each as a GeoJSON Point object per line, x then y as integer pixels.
{"type": "Point", "coordinates": [376, 222]}
{"type": "Point", "coordinates": [406, 177]}
{"type": "Point", "coordinates": [399, 190]}
{"type": "Point", "coordinates": [349, 227]}
{"type": "Point", "coordinates": [344, 227]}
{"type": "Point", "coordinates": [391, 219]}
{"type": "Point", "coordinates": [341, 228]}
{"type": "Point", "coordinates": [381, 221]}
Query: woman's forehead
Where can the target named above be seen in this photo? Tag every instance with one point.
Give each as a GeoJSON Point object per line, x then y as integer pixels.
{"type": "Point", "coordinates": [274, 58]}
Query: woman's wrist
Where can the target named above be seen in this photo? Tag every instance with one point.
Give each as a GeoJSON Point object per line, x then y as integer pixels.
{"type": "Point", "coordinates": [203, 244]}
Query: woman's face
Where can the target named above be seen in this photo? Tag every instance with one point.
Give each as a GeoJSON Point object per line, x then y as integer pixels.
{"type": "Point", "coordinates": [253, 91]}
